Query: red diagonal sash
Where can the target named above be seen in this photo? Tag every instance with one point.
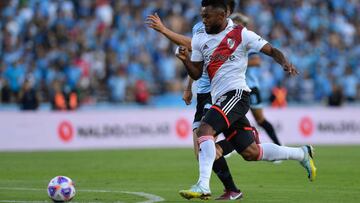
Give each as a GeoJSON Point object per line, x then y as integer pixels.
{"type": "Point", "coordinates": [225, 49]}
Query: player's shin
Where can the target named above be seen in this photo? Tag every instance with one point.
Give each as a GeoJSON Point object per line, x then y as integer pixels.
{"type": "Point", "coordinates": [207, 156]}
{"type": "Point", "coordinates": [196, 145]}
{"type": "Point", "coordinates": [273, 152]}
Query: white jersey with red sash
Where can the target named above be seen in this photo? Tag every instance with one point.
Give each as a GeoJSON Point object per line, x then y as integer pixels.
{"type": "Point", "coordinates": [225, 56]}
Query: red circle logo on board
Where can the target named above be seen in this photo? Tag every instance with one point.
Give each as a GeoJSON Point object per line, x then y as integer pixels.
{"type": "Point", "coordinates": [306, 126]}
{"type": "Point", "coordinates": [183, 128]}
{"type": "Point", "coordinates": [66, 131]}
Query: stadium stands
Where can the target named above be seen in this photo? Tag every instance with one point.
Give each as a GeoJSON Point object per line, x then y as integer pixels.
{"type": "Point", "coordinates": [102, 51]}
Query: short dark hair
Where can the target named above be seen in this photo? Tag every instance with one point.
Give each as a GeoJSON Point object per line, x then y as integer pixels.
{"type": "Point", "coordinates": [231, 4]}
{"type": "Point", "coordinates": [215, 3]}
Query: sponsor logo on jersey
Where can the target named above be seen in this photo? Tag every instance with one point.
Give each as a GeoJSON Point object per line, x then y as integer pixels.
{"type": "Point", "coordinates": [218, 57]}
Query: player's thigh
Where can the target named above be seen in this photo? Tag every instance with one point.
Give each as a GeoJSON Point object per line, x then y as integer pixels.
{"type": "Point", "coordinates": [213, 123]}
{"type": "Point", "coordinates": [258, 114]}
{"type": "Point", "coordinates": [240, 135]}
{"type": "Point", "coordinates": [251, 152]}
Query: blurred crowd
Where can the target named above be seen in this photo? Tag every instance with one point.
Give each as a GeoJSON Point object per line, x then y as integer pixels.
{"type": "Point", "coordinates": [75, 52]}
{"type": "Point", "coordinates": [321, 37]}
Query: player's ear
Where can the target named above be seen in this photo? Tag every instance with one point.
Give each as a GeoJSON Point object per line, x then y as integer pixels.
{"type": "Point", "coordinates": [224, 14]}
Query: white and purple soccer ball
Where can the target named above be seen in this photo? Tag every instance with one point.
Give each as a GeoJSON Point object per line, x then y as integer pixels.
{"type": "Point", "coordinates": [61, 189]}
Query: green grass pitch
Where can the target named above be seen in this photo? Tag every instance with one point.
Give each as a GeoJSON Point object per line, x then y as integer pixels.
{"type": "Point", "coordinates": [163, 172]}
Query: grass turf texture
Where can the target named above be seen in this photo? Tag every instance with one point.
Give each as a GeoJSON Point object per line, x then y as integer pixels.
{"type": "Point", "coordinates": [164, 172]}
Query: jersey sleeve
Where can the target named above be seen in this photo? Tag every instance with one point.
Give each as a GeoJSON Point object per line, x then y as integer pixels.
{"type": "Point", "coordinates": [253, 42]}
{"type": "Point", "coordinates": [196, 27]}
{"type": "Point", "coordinates": [196, 54]}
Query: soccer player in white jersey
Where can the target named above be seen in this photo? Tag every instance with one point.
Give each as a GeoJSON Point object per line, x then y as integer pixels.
{"type": "Point", "coordinates": [204, 102]}
{"type": "Point", "coordinates": [222, 48]}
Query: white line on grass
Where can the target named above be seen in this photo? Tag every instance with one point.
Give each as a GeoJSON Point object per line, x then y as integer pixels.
{"type": "Point", "coordinates": [150, 197]}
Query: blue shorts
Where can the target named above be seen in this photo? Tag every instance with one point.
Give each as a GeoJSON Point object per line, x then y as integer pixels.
{"type": "Point", "coordinates": [202, 106]}
{"type": "Point", "coordinates": [255, 99]}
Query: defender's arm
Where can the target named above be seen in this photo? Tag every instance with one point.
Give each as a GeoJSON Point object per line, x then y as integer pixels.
{"type": "Point", "coordinates": [154, 22]}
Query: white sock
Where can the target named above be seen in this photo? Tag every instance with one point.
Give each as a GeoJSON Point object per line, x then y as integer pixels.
{"type": "Point", "coordinates": [273, 152]}
{"type": "Point", "coordinates": [207, 156]}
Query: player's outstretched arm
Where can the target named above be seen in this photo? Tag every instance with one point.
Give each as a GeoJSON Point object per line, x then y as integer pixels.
{"type": "Point", "coordinates": [279, 57]}
{"type": "Point", "coordinates": [154, 22]}
{"type": "Point", "coordinates": [194, 69]}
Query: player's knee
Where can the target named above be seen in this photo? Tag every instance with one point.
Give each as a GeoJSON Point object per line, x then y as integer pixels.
{"type": "Point", "coordinates": [205, 129]}
{"type": "Point", "coordinates": [251, 153]}
{"type": "Point", "coordinates": [249, 157]}
{"type": "Point", "coordinates": [259, 119]}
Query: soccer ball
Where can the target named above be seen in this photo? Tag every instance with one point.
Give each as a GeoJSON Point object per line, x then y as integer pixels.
{"type": "Point", "coordinates": [61, 189]}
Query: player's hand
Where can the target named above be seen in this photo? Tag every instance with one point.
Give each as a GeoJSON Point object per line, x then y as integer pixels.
{"type": "Point", "coordinates": [187, 97]}
{"type": "Point", "coordinates": [290, 69]}
{"type": "Point", "coordinates": [182, 53]}
{"type": "Point", "coordinates": [154, 22]}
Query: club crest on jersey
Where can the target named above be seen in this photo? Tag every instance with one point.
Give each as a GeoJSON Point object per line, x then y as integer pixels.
{"type": "Point", "coordinates": [231, 43]}
{"type": "Point", "coordinates": [220, 100]}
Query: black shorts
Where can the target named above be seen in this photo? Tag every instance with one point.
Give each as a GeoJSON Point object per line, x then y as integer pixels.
{"type": "Point", "coordinates": [228, 116]}
{"type": "Point", "coordinates": [240, 135]}
{"type": "Point", "coordinates": [255, 98]}
{"type": "Point", "coordinates": [237, 139]}
{"type": "Point", "coordinates": [202, 106]}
